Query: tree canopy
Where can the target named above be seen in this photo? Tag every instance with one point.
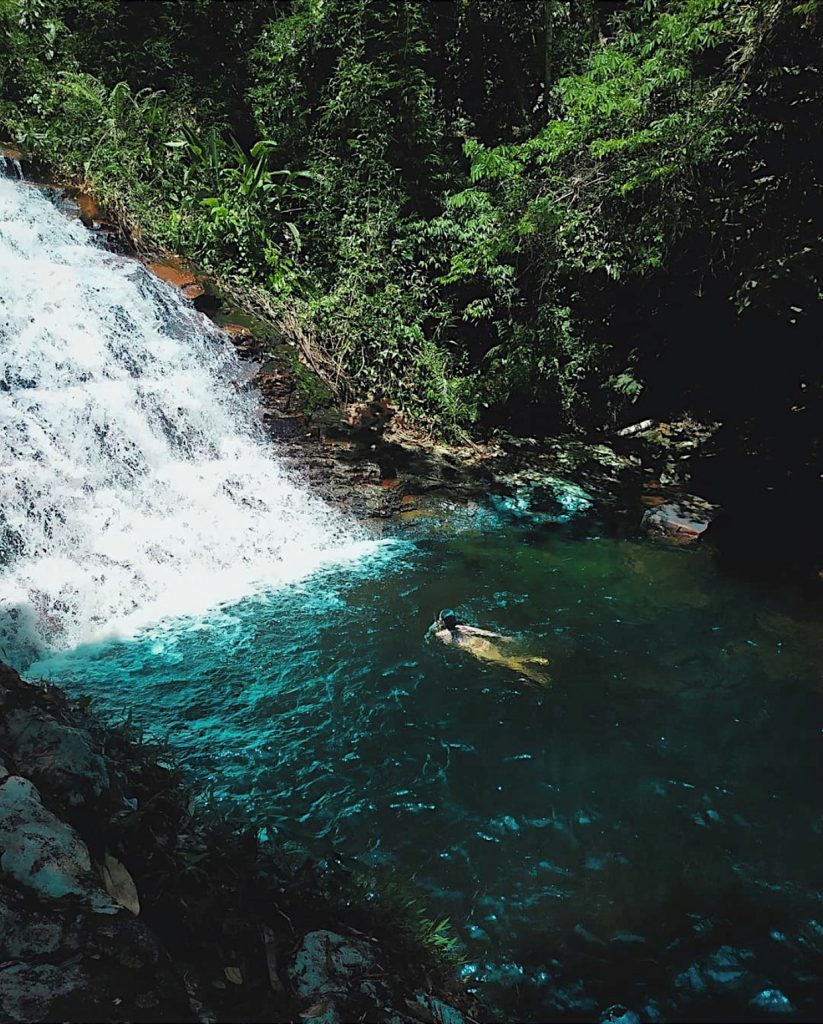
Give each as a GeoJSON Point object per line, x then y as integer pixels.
{"type": "Point", "coordinates": [544, 214]}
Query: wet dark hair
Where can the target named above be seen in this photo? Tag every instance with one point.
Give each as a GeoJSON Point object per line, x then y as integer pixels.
{"type": "Point", "coordinates": [448, 617]}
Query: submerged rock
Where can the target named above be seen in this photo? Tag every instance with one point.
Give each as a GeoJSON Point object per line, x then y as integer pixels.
{"type": "Point", "coordinates": [726, 969]}
{"type": "Point", "coordinates": [772, 1000]}
{"type": "Point", "coordinates": [682, 520]}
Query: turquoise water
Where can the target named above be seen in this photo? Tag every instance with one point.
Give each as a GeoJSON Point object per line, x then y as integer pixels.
{"type": "Point", "coordinates": [646, 832]}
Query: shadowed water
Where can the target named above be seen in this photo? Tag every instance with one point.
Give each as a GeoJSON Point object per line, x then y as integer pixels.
{"type": "Point", "coordinates": [645, 833]}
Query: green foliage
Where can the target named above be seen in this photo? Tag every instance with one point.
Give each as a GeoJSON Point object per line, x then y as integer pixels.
{"type": "Point", "coordinates": [141, 152]}
{"type": "Point", "coordinates": [401, 904]}
{"type": "Point", "coordinates": [484, 211]}
{"type": "Point", "coordinates": [332, 89]}
{"type": "Point", "coordinates": [600, 198]}
{"type": "Point", "coordinates": [233, 209]}
{"type": "Point", "coordinates": [437, 936]}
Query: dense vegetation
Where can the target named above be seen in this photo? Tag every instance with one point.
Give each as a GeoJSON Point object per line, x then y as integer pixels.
{"type": "Point", "coordinates": [548, 214]}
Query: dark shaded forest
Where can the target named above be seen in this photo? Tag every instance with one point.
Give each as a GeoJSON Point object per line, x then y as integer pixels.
{"type": "Point", "coordinates": [542, 216]}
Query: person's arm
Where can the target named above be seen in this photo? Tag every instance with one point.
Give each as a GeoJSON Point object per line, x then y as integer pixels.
{"type": "Point", "coordinates": [484, 632]}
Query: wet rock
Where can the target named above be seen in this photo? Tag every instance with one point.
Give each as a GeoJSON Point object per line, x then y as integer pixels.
{"type": "Point", "coordinates": [691, 981]}
{"type": "Point", "coordinates": [542, 496]}
{"type": "Point", "coordinates": [370, 417]}
{"type": "Point", "coordinates": [192, 291]}
{"type": "Point", "coordinates": [29, 991]}
{"type": "Point", "coordinates": [178, 276]}
{"type": "Point", "coordinates": [329, 965]}
{"type": "Point", "coordinates": [12, 162]}
{"type": "Point", "coordinates": [56, 755]}
{"type": "Point", "coordinates": [274, 387]}
{"type": "Point", "coordinates": [43, 853]}
{"type": "Point", "coordinates": [573, 1000]}
{"type": "Point", "coordinates": [11, 152]}
{"type": "Point", "coordinates": [653, 1012]}
{"type": "Point", "coordinates": [438, 1011]}
{"type": "Point", "coordinates": [91, 985]}
{"type": "Point", "coordinates": [583, 461]}
{"type": "Point", "coordinates": [237, 332]}
{"type": "Point", "coordinates": [772, 1000]}
{"type": "Point", "coordinates": [89, 211]}
{"type": "Point", "coordinates": [175, 275]}
{"type": "Point", "coordinates": [675, 474]}
{"type": "Point", "coordinates": [26, 929]}
{"type": "Point", "coordinates": [726, 969]}
{"type": "Point", "coordinates": [682, 520]}
{"type": "Point", "coordinates": [32, 926]}
{"type": "Point", "coordinates": [618, 1014]}
{"type": "Point", "coordinates": [673, 442]}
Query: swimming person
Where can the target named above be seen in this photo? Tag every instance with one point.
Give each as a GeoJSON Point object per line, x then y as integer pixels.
{"type": "Point", "coordinates": [476, 641]}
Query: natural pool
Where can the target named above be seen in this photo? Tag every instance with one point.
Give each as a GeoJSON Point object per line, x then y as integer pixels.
{"type": "Point", "coordinates": [644, 833]}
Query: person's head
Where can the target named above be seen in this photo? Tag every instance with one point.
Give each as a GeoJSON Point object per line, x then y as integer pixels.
{"type": "Point", "coordinates": [448, 618]}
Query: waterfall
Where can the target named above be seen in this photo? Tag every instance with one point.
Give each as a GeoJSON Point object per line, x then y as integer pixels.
{"type": "Point", "coordinates": [136, 484]}
{"type": "Point", "coordinates": [10, 166]}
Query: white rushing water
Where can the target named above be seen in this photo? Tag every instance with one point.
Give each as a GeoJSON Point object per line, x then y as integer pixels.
{"type": "Point", "coordinates": [134, 485]}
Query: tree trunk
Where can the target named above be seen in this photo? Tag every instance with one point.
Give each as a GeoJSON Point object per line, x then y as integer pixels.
{"type": "Point", "coordinates": [547, 54]}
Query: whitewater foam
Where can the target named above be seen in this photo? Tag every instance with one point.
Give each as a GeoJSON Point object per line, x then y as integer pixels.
{"type": "Point", "coordinates": [135, 482]}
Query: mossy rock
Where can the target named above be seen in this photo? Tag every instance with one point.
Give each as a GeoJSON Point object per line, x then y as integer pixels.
{"type": "Point", "coordinates": [314, 396]}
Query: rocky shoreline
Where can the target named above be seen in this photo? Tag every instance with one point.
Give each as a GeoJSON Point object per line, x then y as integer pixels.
{"type": "Point", "coordinates": [120, 901]}
{"type": "Point", "coordinates": [365, 458]}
